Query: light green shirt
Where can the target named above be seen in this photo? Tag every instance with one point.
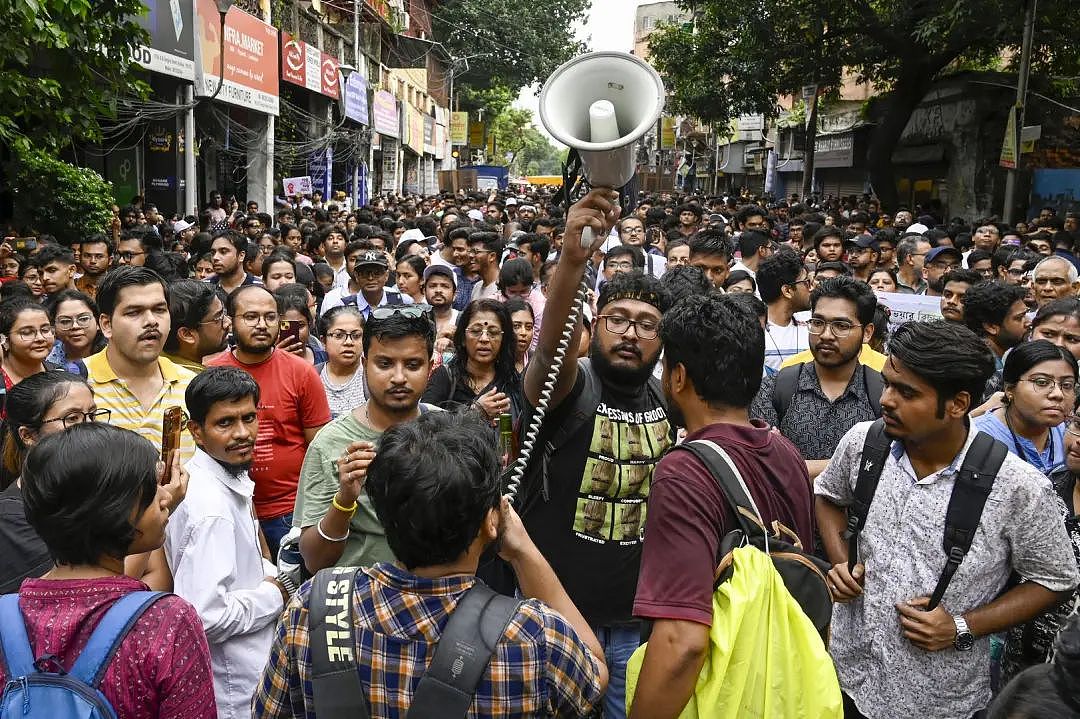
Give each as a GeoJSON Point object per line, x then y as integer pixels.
{"type": "Point", "coordinates": [319, 483]}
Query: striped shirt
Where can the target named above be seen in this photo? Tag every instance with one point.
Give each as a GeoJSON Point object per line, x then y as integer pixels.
{"type": "Point", "coordinates": [112, 393]}
{"type": "Point", "coordinates": [540, 667]}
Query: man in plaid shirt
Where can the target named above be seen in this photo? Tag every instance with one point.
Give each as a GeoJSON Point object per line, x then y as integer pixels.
{"type": "Point", "coordinates": [435, 487]}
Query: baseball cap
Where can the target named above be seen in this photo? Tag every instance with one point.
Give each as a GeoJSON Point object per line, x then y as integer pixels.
{"type": "Point", "coordinates": [414, 234]}
{"type": "Point", "coordinates": [443, 270]}
{"type": "Point", "coordinates": [511, 201]}
{"type": "Point", "coordinates": [476, 215]}
{"type": "Point", "coordinates": [939, 251]}
{"type": "Point", "coordinates": [372, 257]}
{"type": "Point", "coordinates": [181, 225]}
{"type": "Point", "coordinates": [916, 229]}
{"type": "Point", "coordinates": [862, 242]}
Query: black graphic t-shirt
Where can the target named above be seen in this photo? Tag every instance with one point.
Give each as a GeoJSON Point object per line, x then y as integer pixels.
{"type": "Point", "coordinates": [590, 526]}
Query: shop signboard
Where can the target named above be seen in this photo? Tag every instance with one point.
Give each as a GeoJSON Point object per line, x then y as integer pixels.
{"type": "Point", "coordinates": [171, 51]}
{"type": "Point", "coordinates": [384, 113]}
{"type": "Point", "coordinates": [356, 99]}
{"type": "Point", "coordinates": [251, 70]}
{"type": "Point", "coordinates": [459, 128]}
{"type": "Point", "coordinates": [308, 66]}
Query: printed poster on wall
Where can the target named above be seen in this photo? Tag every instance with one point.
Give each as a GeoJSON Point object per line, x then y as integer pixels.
{"type": "Point", "coordinates": [171, 24]}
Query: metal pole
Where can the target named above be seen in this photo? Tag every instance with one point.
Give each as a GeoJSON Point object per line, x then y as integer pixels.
{"type": "Point", "coordinates": [359, 68]}
{"type": "Point", "coordinates": [1021, 101]}
{"type": "Point", "coordinates": [190, 190]}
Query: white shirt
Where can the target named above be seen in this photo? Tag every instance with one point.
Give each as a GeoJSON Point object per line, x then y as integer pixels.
{"type": "Point", "coordinates": [485, 292]}
{"type": "Point", "coordinates": [341, 276]}
{"type": "Point", "coordinates": [782, 342]}
{"type": "Point", "coordinates": [336, 298]}
{"type": "Point", "coordinates": [212, 546]}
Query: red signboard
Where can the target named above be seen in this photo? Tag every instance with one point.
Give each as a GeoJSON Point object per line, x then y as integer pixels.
{"type": "Point", "coordinates": [308, 66]}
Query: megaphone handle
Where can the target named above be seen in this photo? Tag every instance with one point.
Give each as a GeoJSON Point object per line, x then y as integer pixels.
{"type": "Point", "coordinates": [587, 237]}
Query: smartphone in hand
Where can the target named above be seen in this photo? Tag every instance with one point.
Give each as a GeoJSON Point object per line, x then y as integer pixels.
{"type": "Point", "coordinates": [171, 428]}
{"type": "Point", "coordinates": [290, 330]}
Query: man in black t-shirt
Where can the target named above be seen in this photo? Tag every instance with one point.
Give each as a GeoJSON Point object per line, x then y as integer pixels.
{"type": "Point", "coordinates": [608, 427]}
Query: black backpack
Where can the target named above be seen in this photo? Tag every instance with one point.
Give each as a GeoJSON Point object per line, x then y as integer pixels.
{"type": "Point", "coordinates": [804, 575]}
{"type": "Point", "coordinates": [447, 688]}
{"type": "Point", "coordinates": [787, 384]}
{"type": "Point", "coordinates": [970, 490]}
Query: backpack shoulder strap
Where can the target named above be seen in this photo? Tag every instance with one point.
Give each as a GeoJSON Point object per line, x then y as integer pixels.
{"type": "Point", "coordinates": [463, 653]}
{"type": "Point", "coordinates": [103, 644]}
{"type": "Point", "coordinates": [970, 491]}
{"type": "Point", "coordinates": [784, 389]}
{"type": "Point", "coordinates": [875, 452]}
{"type": "Point", "coordinates": [335, 673]}
{"type": "Point", "coordinates": [874, 386]}
{"type": "Point", "coordinates": [349, 301]}
{"type": "Point", "coordinates": [18, 659]}
{"type": "Point", "coordinates": [732, 486]}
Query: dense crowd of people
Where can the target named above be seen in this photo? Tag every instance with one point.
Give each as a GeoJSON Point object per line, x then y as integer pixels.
{"type": "Point", "coordinates": [220, 407]}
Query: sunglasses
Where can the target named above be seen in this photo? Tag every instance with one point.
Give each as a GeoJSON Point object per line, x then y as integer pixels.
{"type": "Point", "coordinates": [410, 311]}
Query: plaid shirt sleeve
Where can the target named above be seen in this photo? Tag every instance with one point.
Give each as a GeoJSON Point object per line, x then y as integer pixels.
{"type": "Point", "coordinates": [571, 671]}
{"type": "Point", "coordinates": [281, 693]}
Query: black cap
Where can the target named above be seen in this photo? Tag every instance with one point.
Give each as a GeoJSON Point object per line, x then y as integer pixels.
{"type": "Point", "coordinates": [372, 257]}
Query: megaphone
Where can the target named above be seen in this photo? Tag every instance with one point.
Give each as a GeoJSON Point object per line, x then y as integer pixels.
{"type": "Point", "coordinates": [601, 104]}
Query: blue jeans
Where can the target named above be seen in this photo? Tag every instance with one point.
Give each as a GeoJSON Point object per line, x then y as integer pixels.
{"type": "Point", "coordinates": [274, 530]}
{"type": "Point", "coordinates": [619, 642]}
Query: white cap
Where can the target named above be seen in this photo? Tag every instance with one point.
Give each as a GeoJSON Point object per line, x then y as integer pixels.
{"type": "Point", "coordinates": [181, 225]}
{"type": "Point", "coordinates": [476, 215]}
{"type": "Point", "coordinates": [413, 234]}
{"type": "Point", "coordinates": [511, 201]}
{"type": "Point", "coordinates": [916, 229]}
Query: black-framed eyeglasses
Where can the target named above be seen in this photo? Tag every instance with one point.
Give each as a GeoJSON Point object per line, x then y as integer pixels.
{"type": "Point", "coordinates": [342, 335]}
{"type": "Point", "coordinates": [644, 329]}
{"type": "Point", "coordinates": [218, 319]}
{"type": "Point", "coordinates": [411, 311]}
{"type": "Point", "coordinates": [73, 418]}
{"type": "Point", "coordinates": [804, 281]}
{"type": "Point", "coordinates": [129, 255]}
{"type": "Point", "coordinates": [840, 328]}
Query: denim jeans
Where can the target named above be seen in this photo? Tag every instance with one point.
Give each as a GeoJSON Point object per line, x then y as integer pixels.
{"type": "Point", "coordinates": [619, 642]}
{"type": "Point", "coordinates": [274, 530]}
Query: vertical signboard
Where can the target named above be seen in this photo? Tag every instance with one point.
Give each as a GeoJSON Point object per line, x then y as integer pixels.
{"type": "Point", "coordinates": [384, 114]}
{"type": "Point", "coordinates": [459, 128]}
{"type": "Point", "coordinates": [356, 99]}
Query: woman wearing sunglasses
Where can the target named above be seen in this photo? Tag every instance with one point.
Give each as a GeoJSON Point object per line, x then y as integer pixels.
{"type": "Point", "coordinates": [482, 372]}
{"type": "Point", "coordinates": [1040, 392]}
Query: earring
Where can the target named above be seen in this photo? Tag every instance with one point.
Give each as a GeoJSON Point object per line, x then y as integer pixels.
{"type": "Point", "coordinates": [1007, 399]}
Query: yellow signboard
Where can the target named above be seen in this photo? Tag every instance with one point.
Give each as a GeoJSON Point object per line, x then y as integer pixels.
{"type": "Point", "coordinates": [459, 128]}
{"type": "Point", "coordinates": [1008, 147]}
{"type": "Point", "coordinates": [476, 134]}
{"type": "Point", "coordinates": [667, 133]}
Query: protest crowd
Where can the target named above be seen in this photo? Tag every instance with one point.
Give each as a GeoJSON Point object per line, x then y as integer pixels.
{"type": "Point", "coordinates": [800, 457]}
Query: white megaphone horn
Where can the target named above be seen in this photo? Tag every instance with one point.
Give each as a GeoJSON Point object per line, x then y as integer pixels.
{"type": "Point", "coordinates": [601, 104]}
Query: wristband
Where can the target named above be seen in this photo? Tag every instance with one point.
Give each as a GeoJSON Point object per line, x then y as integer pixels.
{"type": "Point", "coordinates": [287, 582]}
{"type": "Point", "coordinates": [346, 510]}
{"type": "Point", "coordinates": [327, 537]}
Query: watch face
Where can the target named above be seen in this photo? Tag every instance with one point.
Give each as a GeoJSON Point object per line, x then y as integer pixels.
{"type": "Point", "coordinates": [964, 642]}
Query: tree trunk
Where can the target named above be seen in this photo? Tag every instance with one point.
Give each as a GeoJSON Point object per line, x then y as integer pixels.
{"type": "Point", "coordinates": [894, 114]}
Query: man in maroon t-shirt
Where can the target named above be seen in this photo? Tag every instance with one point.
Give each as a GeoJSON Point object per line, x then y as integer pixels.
{"type": "Point", "coordinates": [713, 352]}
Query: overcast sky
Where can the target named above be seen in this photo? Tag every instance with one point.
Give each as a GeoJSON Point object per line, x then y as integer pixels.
{"type": "Point", "coordinates": [610, 26]}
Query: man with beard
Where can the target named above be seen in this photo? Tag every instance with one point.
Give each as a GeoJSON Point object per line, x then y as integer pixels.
{"type": "Point", "coordinates": [227, 253]}
{"type": "Point", "coordinates": [706, 337]}
{"type": "Point", "coordinates": [130, 377]}
{"type": "Point", "coordinates": [815, 403]}
{"type": "Point", "coordinates": [94, 258]}
{"type": "Point", "coordinates": [212, 544]}
{"type": "Point", "coordinates": [606, 417]}
{"type": "Point", "coordinates": [198, 324]}
{"type": "Point", "coordinates": [863, 255]}
{"type": "Point", "coordinates": [292, 406]}
{"type": "Point", "coordinates": [439, 288]}
{"type": "Point", "coordinates": [939, 261]}
{"type": "Point", "coordinates": [997, 313]}
{"type": "Point", "coordinates": [955, 284]}
{"type": "Point", "coordinates": [337, 521]}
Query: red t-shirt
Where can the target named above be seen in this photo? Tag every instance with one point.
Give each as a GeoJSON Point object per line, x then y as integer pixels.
{"type": "Point", "coordinates": [291, 398]}
{"type": "Point", "coordinates": [688, 516]}
{"type": "Point", "coordinates": [162, 668]}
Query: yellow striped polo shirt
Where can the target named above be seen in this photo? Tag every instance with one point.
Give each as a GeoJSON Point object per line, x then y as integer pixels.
{"type": "Point", "coordinates": [112, 393]}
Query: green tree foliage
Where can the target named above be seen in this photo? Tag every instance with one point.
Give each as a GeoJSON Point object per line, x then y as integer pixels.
{"type": "Point", "coordinates": [52, 197]}
{"type": "Point", "coordinates": [739, 55]}
{"type": "Point", "coordinates": [65, 63]}
{"type": "Point", "coordinates": [513, 43]}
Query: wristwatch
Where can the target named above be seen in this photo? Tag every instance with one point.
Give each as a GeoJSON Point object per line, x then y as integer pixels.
{"type": "Point", "coordinates": [965, 640]}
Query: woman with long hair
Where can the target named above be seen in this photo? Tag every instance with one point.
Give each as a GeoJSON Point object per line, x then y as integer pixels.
{"type": "Point", "coordinates": [1059, 322]}
{"type": "Point", "coordinates": [482, 371]}
{"type": "Point", "coordinates": [522, 319]}
{"type": "Point", "coordinates": [1040, 392]}
{"type": "Point", "coordinates": [410, 277]}
{"type": "Point", "coordinates": [93, 494]}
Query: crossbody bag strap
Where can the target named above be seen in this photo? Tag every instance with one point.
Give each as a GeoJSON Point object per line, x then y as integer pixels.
{"type": "Point", "coordinates": [785, 388]}
{"type": "Point", "coordinates": [465, 649]}
{"type": "Point", "coordinates": [732, 486]}
{"type": "Point", "coordinates": [969, 494]}
{"type": "Point", "coordinates": [872, 460]}
{"type": "Point", "coordinates": [335, 673]}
